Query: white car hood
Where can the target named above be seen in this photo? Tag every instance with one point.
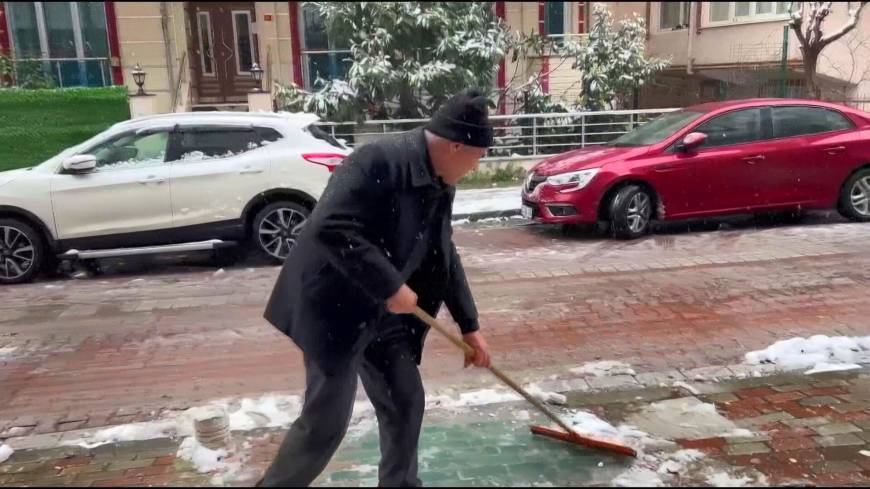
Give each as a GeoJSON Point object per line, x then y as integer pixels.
{"type": "Point", "coordinates": [8, 176]}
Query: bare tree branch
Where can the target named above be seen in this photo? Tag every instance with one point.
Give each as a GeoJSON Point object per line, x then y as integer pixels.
{"type": "Point", "coordinates": [854, 17]}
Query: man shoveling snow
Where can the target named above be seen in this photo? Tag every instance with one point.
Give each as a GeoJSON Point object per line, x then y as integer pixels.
{"type": "Point", "coordinates": [379, 236]}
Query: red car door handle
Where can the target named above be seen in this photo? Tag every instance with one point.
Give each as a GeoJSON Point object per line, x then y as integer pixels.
{"type": "Point", "coordinates": [664, 168]}
{"type": "Point", "coordinates": [835, 150]}
{"type": "Point", "coordinates": [752, 159]}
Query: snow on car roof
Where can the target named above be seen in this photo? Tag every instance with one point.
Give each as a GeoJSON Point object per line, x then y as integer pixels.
{"type": "Point", "coordinates": [291, 119]}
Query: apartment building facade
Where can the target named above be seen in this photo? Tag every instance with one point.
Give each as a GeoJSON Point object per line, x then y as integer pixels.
{"type": "Point", "coordinates": [199, 55]}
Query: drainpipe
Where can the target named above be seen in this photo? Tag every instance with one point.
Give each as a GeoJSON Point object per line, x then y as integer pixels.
{"type": "Point", "coordinates": [689, 58]}
{"type": "Point", "coordinates": [164, 23]}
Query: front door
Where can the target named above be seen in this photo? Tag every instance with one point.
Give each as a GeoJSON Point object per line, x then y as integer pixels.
{"type": "Point", "coordinates": [223, 49]}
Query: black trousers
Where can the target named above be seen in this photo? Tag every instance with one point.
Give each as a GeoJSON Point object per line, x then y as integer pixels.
{"type": "Point", "coordinates": [392, 382]}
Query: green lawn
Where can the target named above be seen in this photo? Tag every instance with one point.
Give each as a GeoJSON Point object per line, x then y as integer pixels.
{"type": "Point", "coordinates": [37, 124]}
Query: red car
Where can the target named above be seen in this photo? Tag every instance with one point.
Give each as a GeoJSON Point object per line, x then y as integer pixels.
{"type": "Point", "coordinates": [711, 159]}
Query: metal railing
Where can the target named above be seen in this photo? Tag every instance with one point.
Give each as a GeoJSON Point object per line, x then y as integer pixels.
{"type": "Point", "coordinates": [64, 72]}
{"type": "Point", "coordinates": [519, 136]}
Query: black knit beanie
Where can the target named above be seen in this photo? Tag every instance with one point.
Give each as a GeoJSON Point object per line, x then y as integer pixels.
{"type": "Point", "coordinates": [464, 119]}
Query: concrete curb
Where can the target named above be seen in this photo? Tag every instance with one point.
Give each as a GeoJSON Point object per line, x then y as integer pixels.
{"type": "Point", "coordinates": [477, 216]}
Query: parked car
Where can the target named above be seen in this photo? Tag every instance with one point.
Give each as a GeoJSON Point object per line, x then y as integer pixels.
{"type": "Point", "coordinates": [172, 182]}
{"type": "Point", "coordinates": [711, 159]}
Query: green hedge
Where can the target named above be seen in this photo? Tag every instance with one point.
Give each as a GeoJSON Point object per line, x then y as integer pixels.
{"type": "Point", "coordinates": [37, 124]}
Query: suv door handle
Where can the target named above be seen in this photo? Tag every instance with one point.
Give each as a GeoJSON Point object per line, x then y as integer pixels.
{"type": "Point", "coordinates": [249, 170]}
{"type": "Point", "coordinates": [752, 159]}
{"type": "Point", "coordinates": [834, 150]}
{"type": "Point", "coordinates": [152, 179]}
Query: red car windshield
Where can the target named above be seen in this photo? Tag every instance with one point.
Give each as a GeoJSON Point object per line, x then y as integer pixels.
{"type": "Point", "coordinates": [656, 130]}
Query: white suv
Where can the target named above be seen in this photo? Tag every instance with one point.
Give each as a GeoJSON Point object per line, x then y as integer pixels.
{"type": "Point", "coordinates": [171, 182]}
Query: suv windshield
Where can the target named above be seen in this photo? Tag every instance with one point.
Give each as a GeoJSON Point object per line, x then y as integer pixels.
{"type": "Point", "coordinates": [656, 130]}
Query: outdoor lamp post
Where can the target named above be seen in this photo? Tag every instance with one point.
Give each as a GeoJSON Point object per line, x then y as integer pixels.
{"type": "Point", "coordinates": [139, 78]}
{"type": "Point", "coordinates": [257, 73]}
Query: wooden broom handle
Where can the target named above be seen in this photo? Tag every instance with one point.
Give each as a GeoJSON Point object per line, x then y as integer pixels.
{"type": "Point", "coordinates": [470, 351]}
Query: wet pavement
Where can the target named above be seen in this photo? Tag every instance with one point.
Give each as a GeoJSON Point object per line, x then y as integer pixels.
{"type": "Point", "coordinates": [149, 337]}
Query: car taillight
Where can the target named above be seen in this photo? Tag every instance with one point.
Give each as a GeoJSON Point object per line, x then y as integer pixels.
{"type": "Point", "coordinates": [329, 160]}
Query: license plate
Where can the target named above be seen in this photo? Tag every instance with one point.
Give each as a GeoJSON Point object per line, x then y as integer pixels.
{"type": "Point", "coordinates": [526, 212]}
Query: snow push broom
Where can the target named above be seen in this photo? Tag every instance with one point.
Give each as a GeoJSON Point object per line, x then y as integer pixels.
{"type": "Point", "coordinates": [569, 435]}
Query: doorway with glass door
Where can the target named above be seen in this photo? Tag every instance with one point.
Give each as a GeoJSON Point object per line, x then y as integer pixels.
{"type": "Point", "coordinates": [223, 47]}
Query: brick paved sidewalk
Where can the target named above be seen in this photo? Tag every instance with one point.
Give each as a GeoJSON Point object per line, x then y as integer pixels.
{"type": "Point", "coordinates": [811, 430]}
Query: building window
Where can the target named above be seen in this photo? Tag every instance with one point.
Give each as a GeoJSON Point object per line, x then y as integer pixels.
{"type": "Point", "coordinates": [244, 39]}
{"type": "Point", "coordinates": [68, 41]}
{"type": "Point", "coordinates": [673, 16]}
{"type": "Point", "coordinates": [206, 57]}
{"type": "Point", "coordinates": [554, 18]}
{"type": "Point", "coordinates": [322, 57]}
{"type": "Point", "coordinates": [744, 12]}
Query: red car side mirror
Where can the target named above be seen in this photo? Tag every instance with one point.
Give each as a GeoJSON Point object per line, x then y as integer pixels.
{"type": "Point", "coordinates": [692, 141]}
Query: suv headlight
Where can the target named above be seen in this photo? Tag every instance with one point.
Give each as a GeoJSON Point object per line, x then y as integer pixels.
{"type": "Point", "coordinates": [574, 180]}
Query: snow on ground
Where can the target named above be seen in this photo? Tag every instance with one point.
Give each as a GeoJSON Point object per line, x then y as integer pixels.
{"type": "Point", "coordinates": [588, 424]}
{"type": "Point", "coordinates": [603, 369]}
{"type": "Point", "coordinates": [475, 201]}
{"type": "Point", "coordinates": [819, 353]}
{"type": "Point", "coordinates": [203, 458]}
{"type": "Point", "coordinates": [5, 452]}
{"type": "Point", "coordinates": [546, 396]}
{"type": "Point", "coordinates": [244, 414]}
{"type": "Point", "coordinates": [722, 479]}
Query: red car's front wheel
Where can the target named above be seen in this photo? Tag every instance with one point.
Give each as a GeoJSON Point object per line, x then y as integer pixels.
{"type": "Point", "coordinates": [855, 197]}
{"type": "Point", "coordinates": [631, 212]}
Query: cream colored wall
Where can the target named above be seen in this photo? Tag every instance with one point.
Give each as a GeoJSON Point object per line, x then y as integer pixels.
{"type": "Point", "coordinates": [142, 40]}
{"type": "Point", "coordinates": [275, 39]}
{"type": "Point", "coordinates": [846, 60]}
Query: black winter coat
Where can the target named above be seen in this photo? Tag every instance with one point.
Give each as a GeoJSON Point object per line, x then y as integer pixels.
{"type": "Point", "coordinates": [383, 220]}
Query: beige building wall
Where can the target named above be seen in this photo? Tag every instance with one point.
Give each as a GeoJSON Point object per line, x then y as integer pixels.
{"type": "Point", "coordinates": [740, 46]}
{"type": "Point", "coordinates": [275, 41]}
{"type": "Point", "coordinates": [153, 34]}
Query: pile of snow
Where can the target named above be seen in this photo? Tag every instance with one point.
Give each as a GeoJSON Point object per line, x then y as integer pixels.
{"type": "Point", "coordinates": [7, 351]}
{"type": "Point", "coordinates": [819, 353]}
{"type": "Point", "coordinates": [588, 424]}
{"type": "Point", "coordinates": [656, 471]}
{"type": "Point", "coordinates": [545, 396]}
{"type": "Point", "coordinates": [722, 479]}
{"type": "Point", "coordinates": [474, 398]}
{"type": "Point", "coordinates": [268, 411]}
{"type": "Point", "coordinates": [203, 458]}
{"type": "Point", "coordinates": [5, 452]}
{"type": "Point", "coordinates": [603, 368]}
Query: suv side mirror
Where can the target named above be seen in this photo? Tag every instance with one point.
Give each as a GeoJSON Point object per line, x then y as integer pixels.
{"type": "Point", "coordinates": [80, 163]}
{"type": "Point", "coordinates": [692, 141]}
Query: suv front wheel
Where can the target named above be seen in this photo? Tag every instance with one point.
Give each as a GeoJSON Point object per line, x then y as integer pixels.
{"type": "Point", "coordinates": [22, 252]}
{"type": "Point", "coordinates": [277, 227]}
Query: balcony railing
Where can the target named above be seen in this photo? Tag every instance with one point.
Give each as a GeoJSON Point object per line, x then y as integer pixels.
{"type": "Point", "coordinates": [63, 72]}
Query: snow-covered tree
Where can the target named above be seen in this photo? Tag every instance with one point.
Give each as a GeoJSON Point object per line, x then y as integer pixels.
{"type": "Point", "coordinates": [409, 57]}
{"type": "Point", "coordinates": [611, 61]}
